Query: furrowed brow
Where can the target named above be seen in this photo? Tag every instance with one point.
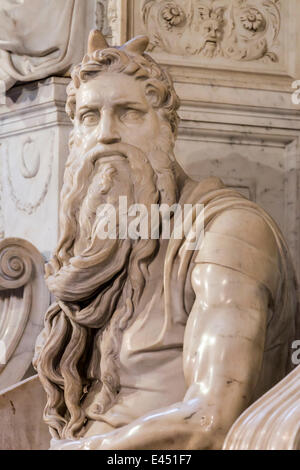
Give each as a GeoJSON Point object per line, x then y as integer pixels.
{"type": "Point", "coordinates": [86, 108]}
{"type": "Point", "coordinates": [129, 104]}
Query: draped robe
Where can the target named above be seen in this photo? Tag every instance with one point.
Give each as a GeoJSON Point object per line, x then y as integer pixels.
{"type": "Point", "coordinates": [41, 38]}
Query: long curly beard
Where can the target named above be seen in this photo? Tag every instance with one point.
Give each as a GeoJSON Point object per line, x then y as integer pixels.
{"type": "Point", "coordinates": [97, 283]}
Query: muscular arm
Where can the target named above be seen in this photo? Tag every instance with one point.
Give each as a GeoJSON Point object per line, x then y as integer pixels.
{"type": "Point", "coordinates": [225, 334]}
{"type": "Point", "coordinates": [223, 345]}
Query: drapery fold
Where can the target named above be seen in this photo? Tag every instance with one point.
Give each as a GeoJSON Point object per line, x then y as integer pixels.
{"type": "Point", "coordinates": [39, 38]}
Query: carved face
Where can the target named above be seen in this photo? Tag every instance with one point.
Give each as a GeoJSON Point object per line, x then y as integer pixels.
{"type": "Point", "coordinates": [210, 28]}
{"type": "Point", "coordinates": [112, 108]}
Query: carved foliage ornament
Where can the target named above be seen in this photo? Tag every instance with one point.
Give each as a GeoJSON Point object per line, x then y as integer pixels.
{"type": "Point", "coordinates": [240, 30]}
{"type": "Point", "coordinates": [172, 15]}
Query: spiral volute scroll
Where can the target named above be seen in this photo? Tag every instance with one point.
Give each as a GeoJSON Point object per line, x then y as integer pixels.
{"type": "Point", "coordinates": [24, 299]}
{"type": "Point", "coordinates": [15, 266]}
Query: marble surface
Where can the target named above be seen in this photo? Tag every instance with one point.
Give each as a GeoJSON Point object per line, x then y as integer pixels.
{"type": "Point", "coordinates": [23, 299]}
{"type": "Point", "coordinates": [254, 150]}
{"type": "Point", "coordinates": [215, 42]}
{"type": "Point", "coordinates": [238, 122]}
{"type": "Point", "coordinates": [21, 417]}
{"type": "Point", "coordinates": [181, 342]}
{"type": "Point", "coordinates": [48, 46]}
{"type": "Point", "coordinates": [34, 145]}
{"type": "Point", "coordinates": [271, 423]}
{"type": "Point", "coordinates": [229, 30]}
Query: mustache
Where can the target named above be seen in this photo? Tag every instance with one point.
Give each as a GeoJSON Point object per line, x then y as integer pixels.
{"type": "Point", "coordinates": [141, 170]}
{"type": "Point", "coordinates": [100, 152]}
{"type": "Point", "coordinates": [103, 152]}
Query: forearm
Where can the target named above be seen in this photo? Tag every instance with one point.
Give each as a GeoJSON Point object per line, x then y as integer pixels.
{"type": "Point", "coordinates": [185, 425]}
{"type": "Point", "coordinates": [175, 427]}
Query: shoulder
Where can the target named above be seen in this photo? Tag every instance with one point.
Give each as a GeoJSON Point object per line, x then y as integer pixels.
{"type": "Point", "coordinates": [247, 226]}
{"type": "Point", "coordinates": [240, 240]}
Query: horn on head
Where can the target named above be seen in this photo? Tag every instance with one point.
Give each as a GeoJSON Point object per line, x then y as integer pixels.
{"type": "Point", "coordinates": [96, 42]}
{"type": "Point", "coordinates": [137, 45]}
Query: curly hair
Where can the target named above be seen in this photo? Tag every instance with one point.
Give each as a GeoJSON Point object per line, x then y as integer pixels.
{"type": "Point", "coordinates": [159, 88]}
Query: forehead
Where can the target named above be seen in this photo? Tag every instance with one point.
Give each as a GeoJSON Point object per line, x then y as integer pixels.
{"type": "Point", "coordinates": [110, 88]}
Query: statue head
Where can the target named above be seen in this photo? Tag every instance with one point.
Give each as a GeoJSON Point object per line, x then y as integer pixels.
{"type": "Point", "coordinates": [129, 65]}
{"type": "Point", "coordinates": [124, 109]}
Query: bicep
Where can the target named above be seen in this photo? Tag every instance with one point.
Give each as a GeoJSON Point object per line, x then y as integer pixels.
{"type": "Point", "coordinates": [235, 278]}
{"type": "Point", "coordinates": [229, 313]}
{"type": "Point", "coordinates": [224, 338]}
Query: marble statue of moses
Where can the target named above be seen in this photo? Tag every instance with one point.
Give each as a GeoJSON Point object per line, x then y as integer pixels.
{"type": "Point", "coordinates": [151, 345]}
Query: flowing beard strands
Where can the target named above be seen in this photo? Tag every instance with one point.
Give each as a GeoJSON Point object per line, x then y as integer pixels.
{"type": "Point", "coordinates": [91, 311]}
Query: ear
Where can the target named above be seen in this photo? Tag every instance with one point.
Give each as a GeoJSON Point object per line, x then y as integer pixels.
{"type": "Point", "coordinates": [96, 42]}
{"type": "Point", "coordinates": [137, 45]}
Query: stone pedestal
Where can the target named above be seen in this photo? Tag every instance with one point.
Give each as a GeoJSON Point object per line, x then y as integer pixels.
{"type": "Point", "coordinates": [34, 134]}
{"type": "Point", "coordinates": [21, 417]}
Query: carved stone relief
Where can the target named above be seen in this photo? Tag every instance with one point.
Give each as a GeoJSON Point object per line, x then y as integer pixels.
{"type": "Point", "coordinates": [26, 170]}
{"type": "Point", "coordinates": [240, 30]}
{"type": "Point", "coordinates": [23, 297]}
{"type": "Point", "coordinates": [117, 20]}
{"type": "Point", "coordinates": [30, 159]}
{"type": "Point", "coordinates": [101, 18]}
{"type": "Point", "coordinates": [113, 19]}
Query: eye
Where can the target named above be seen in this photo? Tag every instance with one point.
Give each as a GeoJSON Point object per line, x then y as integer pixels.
{"type": "Point", "coordinates": [132, 115]}
{"type": "Point", "coordinates": [90, 118]}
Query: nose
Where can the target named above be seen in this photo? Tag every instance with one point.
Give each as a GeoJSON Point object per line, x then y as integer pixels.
{"type": "Point", "coordinates": [108, 132]}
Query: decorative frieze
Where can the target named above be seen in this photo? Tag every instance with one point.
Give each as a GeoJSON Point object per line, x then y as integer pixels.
{"type": "Point", "coordinates": [240, 30]}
